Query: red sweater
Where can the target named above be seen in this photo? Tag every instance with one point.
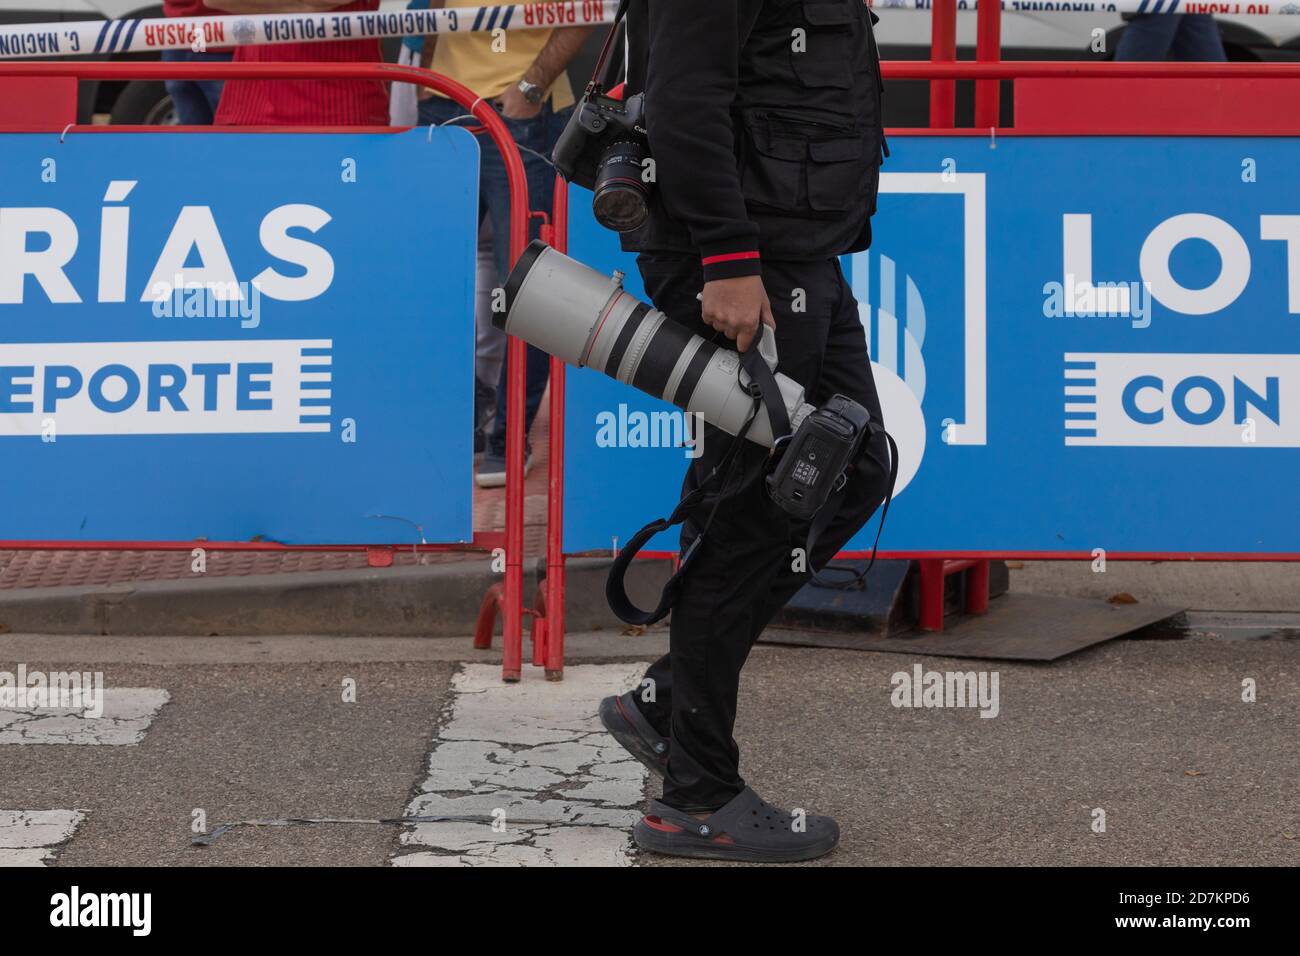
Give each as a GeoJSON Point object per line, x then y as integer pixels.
{"type": "Point", "coordinates": [308, 102]}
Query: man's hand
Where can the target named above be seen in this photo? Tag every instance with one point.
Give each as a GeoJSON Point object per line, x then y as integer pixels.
{"type": "Point", "coordinates": [736, 306]}
{"type": "Point", "coordinates": [514, 105]}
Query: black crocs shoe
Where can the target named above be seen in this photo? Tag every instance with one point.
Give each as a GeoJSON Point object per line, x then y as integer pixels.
{"type": "Point", "coordinates": [626, 724]}
{"type": "Point", "coordinates": [746, 829]}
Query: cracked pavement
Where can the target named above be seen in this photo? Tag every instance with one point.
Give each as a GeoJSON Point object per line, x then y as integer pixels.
{"type": "Point", "coordinates": [533, 761]}
{"type": "Point", "coordinates": [127, 713]}
{"type": "Point", "coordinates": [1155, 732]}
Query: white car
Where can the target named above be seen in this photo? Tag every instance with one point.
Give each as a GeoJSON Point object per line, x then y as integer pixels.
{"type": "Point", "coordinates": [902, 34]}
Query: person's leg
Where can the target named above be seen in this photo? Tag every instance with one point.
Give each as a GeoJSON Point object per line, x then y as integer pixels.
{"type": "Point", "coordinates": [188, 101]}
{"type": "Point", "coordinates": [489, 341]}
{"type": "Point", "coordinates": [746, 548]}
{"type": "Point", "coordinates": [211, 89]}
{"type": "Point", "coordinates": [438, 110]}
{"type": "Point", "coordinates": [1198, 39]}
{"type": "Point", "coordinates": [845, 370]}
{"type": "Point", "coordinates": [1148, 37]}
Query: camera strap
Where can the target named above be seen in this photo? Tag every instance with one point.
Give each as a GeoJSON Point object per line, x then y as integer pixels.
{"type": "Point", "coordinates": [766, 393]}
{"type": "Point", "coordinates": [762, 384]}
{"type": "Point", "coordinates": [827, 513]}
{"type": "Point", "coordinates": [599, 75]}
{"type": "Point", "coordinates": [616, 587]}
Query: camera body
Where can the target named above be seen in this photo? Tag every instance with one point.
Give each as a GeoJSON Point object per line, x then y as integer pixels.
{"type": "Point", "coordinates": [604, 148]}
{"type": "Point", "coordinates": [812, 465]}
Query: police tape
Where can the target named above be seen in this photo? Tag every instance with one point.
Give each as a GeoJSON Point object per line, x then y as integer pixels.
{"type": "Point", "coordinates": [100, 37]}
{"type": "Point", "coordinates": [1233, 8]}
{"type": "Point", "coordinates": [106, 37]}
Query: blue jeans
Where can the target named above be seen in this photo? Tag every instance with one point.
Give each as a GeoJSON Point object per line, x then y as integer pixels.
{"type": "Point", "coordinates": [195, 100]}
{"type": "Point", "coordinates": [1153, 37]}
{"type": "Point", "coordinates": [539, 135]}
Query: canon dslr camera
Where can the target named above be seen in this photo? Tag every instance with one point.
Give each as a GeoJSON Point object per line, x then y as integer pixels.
{"type": "Point", "coordinates": [604, 149]}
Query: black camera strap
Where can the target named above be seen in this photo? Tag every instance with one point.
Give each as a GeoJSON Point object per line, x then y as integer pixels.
{"type": "Point", "coordinates": [763, 381]}
{"type": "Point", "coordinates": [766, 393]}
{"type": "Point", "coordinates": [763, 388]}
{"type": "Point", "coordinates": [599, 77]}
{"type": "Point", "coordinates": [827, 513]}
{"type": "Point", "coordinates": [616, 587]}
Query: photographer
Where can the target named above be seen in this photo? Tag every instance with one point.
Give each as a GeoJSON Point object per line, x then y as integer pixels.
{"type": "Point", "coordinates": [764, 126]}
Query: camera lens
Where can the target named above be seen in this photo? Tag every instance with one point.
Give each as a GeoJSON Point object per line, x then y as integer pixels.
{"type": "Point", "coordinates": [620, 201]}
{"type": "Point", "coordinates": [586, 319]}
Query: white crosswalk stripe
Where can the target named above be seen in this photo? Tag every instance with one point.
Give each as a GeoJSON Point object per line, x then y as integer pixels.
{"type": "Point", "coordinates": [127, 714]}
{"type": "Point", "coordinates": [531, 766]}
{"type": "Point", "coordinates": [31, 837]}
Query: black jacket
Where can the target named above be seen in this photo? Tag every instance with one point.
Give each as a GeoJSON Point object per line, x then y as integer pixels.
{"type": "Point", "coordinates": [764, 123]}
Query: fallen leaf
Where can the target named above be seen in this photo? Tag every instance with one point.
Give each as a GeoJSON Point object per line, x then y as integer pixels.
{"type": "Point", "coordinates": [1122, 598]}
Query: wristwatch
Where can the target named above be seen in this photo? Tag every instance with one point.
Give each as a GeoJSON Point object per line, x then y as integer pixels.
{"type": "Point", "coordinates": [532, 92]}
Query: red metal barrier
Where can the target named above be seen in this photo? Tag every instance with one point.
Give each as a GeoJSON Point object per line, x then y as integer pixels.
{"type": "Point", "coordinates": [988, 48]}
{"type": "Point", "coordinates": [943, 49]}
{"type": "Point", "coordinates": [511, 594]}
{"type": "Point", "coordinates": [554, 604]}
{"type": "Point", "coordinates": [549, 615]}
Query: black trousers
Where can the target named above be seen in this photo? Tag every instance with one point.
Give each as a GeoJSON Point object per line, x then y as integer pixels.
{"type": "Point", "coordinates": [750, 564]}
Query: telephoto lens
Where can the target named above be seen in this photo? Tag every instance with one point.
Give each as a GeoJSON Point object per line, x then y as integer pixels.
{"type": "Point", "coordinates": [585, 318]}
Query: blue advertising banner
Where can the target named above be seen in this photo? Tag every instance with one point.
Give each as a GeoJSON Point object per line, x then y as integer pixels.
{"type": "Point", "coordinates": [236, 336]}
{"type": "Point", "coordinates": [1080, 344]}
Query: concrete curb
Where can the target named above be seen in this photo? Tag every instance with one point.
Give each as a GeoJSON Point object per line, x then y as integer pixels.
{"type": "Point", "coordinates": [440, 600]}
{"type": "Point", "coordinates": [443, 600]}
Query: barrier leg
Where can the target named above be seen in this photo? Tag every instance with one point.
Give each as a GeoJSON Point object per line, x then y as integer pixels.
{"type": "Point", "coordinates": [554, 585]}
{"type": "Point", "coordinates": [554, 656]}
{"type": "Point", "coordinates": [512, 637]}
{"type": "Point", "coordinates": [487, 616]}
{"type": "Point", "coordinates": [977, 588]}
{"type": "Point", "coordinates": [538, 633]}
{"type": "Point", "coordinates": [930, 617]}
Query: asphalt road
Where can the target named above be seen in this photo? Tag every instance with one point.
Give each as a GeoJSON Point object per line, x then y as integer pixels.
{"type": "Point", "coordinates": [1154, 734]}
